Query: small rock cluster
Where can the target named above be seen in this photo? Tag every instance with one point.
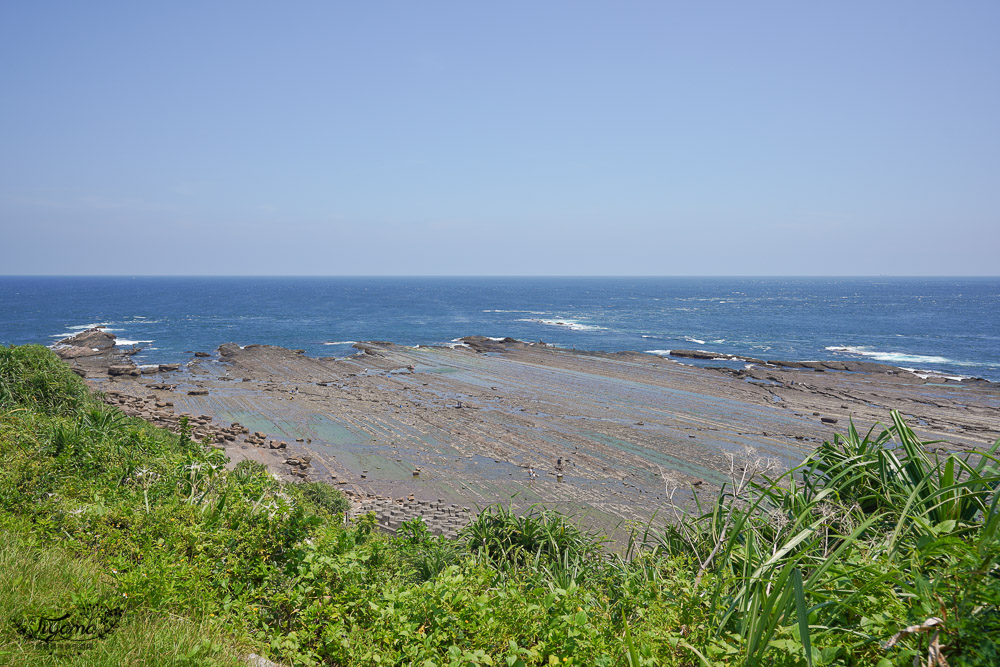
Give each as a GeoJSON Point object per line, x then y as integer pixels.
{"type": "Point", "coordinates": [258, 439]}
{"type": "Point", "coordinates": [160, 413]}
{"type": "Point", "coordinates": [440, 518]}
{"type": "Point", "coordinates": [299, 466]}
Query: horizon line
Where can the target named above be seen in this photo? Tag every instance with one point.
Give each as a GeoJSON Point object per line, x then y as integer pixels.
{"type": "Point", "coordinates": [483, 275]}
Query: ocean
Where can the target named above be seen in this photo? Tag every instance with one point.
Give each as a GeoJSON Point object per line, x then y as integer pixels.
{"type": "Point", "coordinates": [943, 325]}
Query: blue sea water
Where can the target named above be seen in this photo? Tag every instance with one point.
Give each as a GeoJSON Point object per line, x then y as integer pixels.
{"type": "Point", "coordinates": [948, 325]}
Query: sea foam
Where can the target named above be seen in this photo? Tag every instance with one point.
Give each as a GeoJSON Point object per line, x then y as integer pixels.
{"type": "Point", "coordinates": [891, 357]}
{"type": "Point", "coordinates": [564, 323]}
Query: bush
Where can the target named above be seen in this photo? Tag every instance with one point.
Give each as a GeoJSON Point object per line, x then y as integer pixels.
{"type": "Point", "coordinates": [818, 566]}
{"type": "Point", "coordinates": [33, 376]}
{"type": "Point", "coordinates": [323, 496]}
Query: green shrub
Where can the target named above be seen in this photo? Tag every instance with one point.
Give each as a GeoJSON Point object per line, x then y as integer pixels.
{"type": "Point", "coordinates": [32, 376]}
{"type": "Point", "coordinates": [323, 496]}
{"type": "Point", "coordinates": [817, 566]}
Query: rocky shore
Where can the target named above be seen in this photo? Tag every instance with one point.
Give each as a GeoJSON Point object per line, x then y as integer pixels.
{"type": "Point", "coordinates": [438, 432]}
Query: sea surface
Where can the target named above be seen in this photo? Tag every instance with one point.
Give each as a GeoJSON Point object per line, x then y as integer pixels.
{"type": "Point", "coordinates": [942, 325]}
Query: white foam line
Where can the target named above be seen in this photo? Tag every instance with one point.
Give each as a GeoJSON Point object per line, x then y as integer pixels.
{"type": "Point", "coordinates": [565, 323]}
{"type": "Point", "coordinates": [924, 374]}
{"type": "Point", "coordinates": [98, 325]}
{"type": "Point", "coordinates": [895, 357]}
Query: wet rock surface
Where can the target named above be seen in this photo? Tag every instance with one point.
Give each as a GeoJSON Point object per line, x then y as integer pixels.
{"type": "Point", "coordinates": [596, 435]}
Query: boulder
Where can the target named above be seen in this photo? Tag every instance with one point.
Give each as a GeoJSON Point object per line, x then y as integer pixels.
{"type": "Point", "coordinates": [91, 339]}
{"type": "Point", "coordinates": [75, 352]}
{"type": "Point", "coordinates": [695, 354]}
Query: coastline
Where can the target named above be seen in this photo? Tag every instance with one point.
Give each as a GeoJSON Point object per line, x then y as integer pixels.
{"type": "Point", "coordinates": [603, 435]}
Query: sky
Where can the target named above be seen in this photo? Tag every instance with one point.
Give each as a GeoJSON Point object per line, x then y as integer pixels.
{"type": "Point", "coordinates": [504, 138]}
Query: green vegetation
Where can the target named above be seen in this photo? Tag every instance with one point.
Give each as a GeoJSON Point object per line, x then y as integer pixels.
{"type": "Point", "coordinates": [145, 536]}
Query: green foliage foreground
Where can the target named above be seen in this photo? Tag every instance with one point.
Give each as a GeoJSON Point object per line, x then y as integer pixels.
{"type": "Point", "coordinates": [822, 565]}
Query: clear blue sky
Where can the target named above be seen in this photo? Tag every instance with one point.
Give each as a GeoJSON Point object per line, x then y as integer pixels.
{"type": "Point", "coordinates": [657, 138]}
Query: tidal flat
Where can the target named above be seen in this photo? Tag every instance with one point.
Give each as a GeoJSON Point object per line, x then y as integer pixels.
{"type": "Point", "coordinates": [605, 437]}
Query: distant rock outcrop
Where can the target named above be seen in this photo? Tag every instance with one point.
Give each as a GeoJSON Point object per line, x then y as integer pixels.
{"type": "Point", "coordinates": [94, 353]}
{"type": "Point", "coordinates": [713, 356]}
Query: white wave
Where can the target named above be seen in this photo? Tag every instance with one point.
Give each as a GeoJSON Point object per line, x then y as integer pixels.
{"type": "Point", "coordinates": [565, 323]}
{"type": "Point", "coordinates": [454, 345]}
{"type": "Point", "coordinates": [694, 340]}
{"type": "Point", "coordinates": [529, 312]}
{"type": "Point", "coordinates": [661, 353]}
{"type": "Point", "coordinates": [892, 357]}
{"type": "Point", "coordinates": [923, 375]}
{"type": "Point", "coordinates": [719, 340]}
{"type": "Point", "coordinates": [126, 341]}
{"type": "Point", "coordinates": [341, 342]}
{"type": "Point", "coordinates": [81, 327]}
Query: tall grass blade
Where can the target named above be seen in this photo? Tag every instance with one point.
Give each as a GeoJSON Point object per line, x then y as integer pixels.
{"type": "Point", "coordinates": [803, 615]}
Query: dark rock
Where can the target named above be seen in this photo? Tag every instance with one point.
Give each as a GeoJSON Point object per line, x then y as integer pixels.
{"type": "Point", "coordinates": [828, 420]}
{"type": "Point", "coordinates": [785, 364]}
{"type": "Point", "coordinates": [693, 354]}
{"type": "Point", "coordinates": [198, 392]}
{"type": "Point", "coordinates": [202, 354]}
{"type": "Point", "coordinates": [75, 352]}
{"type": "Point", "coordinates": [123, 370]}
{"type": "Point", "coordinates": [228, 350]}
{"type": "Point", "coordinates": [96, 340]}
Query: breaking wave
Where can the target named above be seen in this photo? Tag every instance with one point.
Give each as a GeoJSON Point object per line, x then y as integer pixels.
{"type": "Point", "coordinates": [893, 357]}
{"type": "Point", "coordinates": [565, 323]}
{"type": "Point", "coordinates": [126, 341]}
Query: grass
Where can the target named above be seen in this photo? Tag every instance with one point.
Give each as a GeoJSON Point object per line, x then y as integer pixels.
{"type": "Point", "coordinates": [46, 581]}
{"type": "Point", "coordinates": [828, 563]}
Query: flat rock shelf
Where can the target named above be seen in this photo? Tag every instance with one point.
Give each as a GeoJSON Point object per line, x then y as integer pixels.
{"type": "Point", "coordinates": [442, 432]}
